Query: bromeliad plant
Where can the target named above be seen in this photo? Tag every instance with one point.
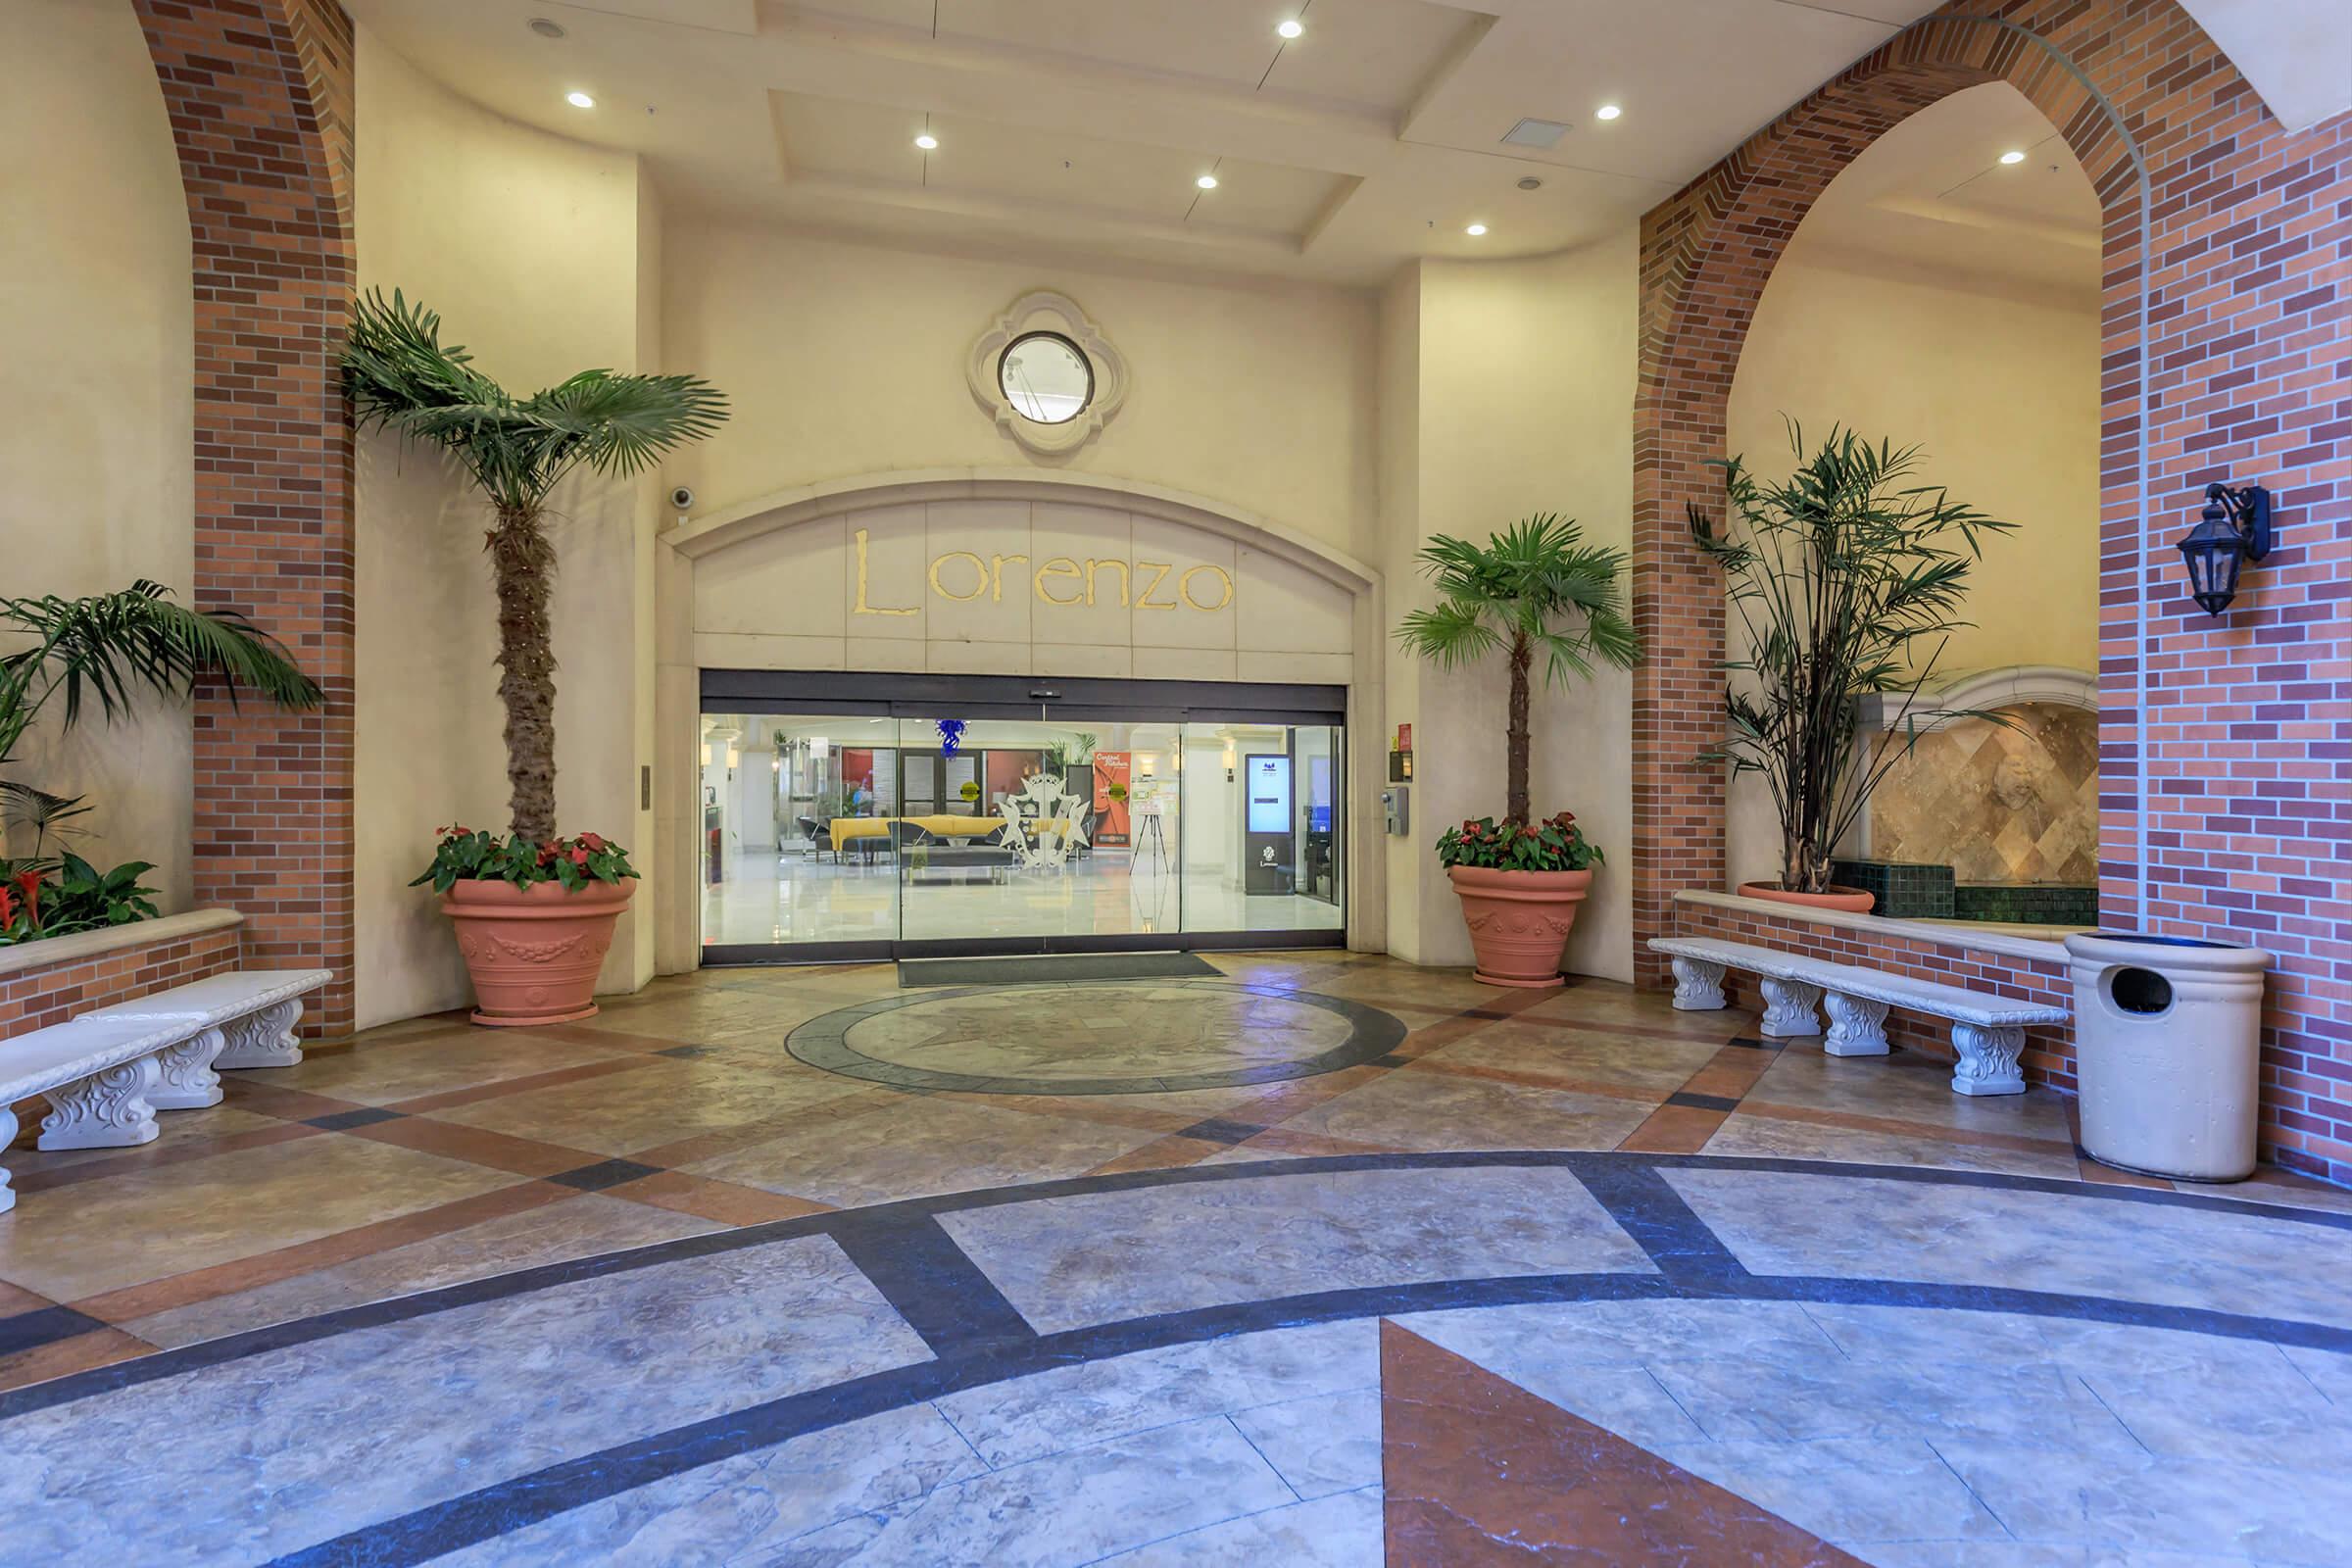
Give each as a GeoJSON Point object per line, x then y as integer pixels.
{"type": "Point", "coordinates": [1535, 588]}
{"type": "Point", "coordinates": [1849, 580]}
{"type": "Point", "coordinates": [81, 899]}
{"type": "Point", "coordinates": [471, 854]}
{"type": "Point", "coordinates": [1556, 844]}
{"type": "Point", "coordinates": [398, 373]}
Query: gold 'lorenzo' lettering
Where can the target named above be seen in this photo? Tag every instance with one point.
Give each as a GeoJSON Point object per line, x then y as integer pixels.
{"type": "Point", "coordinates": [979, 576]}
{"type": "Point", "coordinates": [1061, 568]}
{"type": "Point", "coordinates": [995, 578]}
{"type": "Point", "coordinates": [1183, 586]}
{"type": "Point", "coordinates": [1093, 567]}
{"type": "Point", "coordinates": [1159, 570]}
{"type": "Point", "coordinates": [862, 607]}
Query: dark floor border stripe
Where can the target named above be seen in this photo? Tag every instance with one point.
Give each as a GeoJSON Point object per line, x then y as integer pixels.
{"type": "Point", "coordinates": [513, 1505]}
{"type": "Point", "coordinates": [932, 1283]}
{"type": "Point", "coordinates": [1589, 1165]}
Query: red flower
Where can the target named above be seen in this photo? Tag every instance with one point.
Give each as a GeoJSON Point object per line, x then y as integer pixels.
{"type": "Point", "coordinates": [1468, 825]}
{"type": "Point", "coordinates": [594, 841]}
{"type": "Point", "coordinates": [579, 858]}
{"type": "Point", "coordinates": [7, 909]}
{"type": "Point", "coordinates": [29, 883]}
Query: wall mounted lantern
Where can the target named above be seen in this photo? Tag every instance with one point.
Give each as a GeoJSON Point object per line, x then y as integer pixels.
{"type": "Point", "coordinates": [2235, 528]}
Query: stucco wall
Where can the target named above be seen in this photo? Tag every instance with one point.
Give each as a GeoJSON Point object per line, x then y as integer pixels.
{"type": "Point", "coordinates": [846, 359]}
{"type": "Point", "coordinates": [96, 377]}
{"type": "Point", "coordinates": [1999, 389]}
{"type": "Point", "coordinates": [528, 246]}
{"type": "Point", "coordinates": [1525, 376]}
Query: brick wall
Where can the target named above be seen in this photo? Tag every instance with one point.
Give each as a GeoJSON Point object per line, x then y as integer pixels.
{"type": "Point", "coordinates": [2227, 343]}
{"type": "Point", "coordinates": [259, 97]}
{"type": "Point", "coordinates": [42, 993]}
{"type": "Point", "coordinates": [2049, 1053]}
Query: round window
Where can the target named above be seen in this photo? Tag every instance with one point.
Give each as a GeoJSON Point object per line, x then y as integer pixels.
{"type": "Point", "coordinates": [1046, 379]}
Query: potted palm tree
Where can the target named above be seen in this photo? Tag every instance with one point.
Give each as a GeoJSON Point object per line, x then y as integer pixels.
{"type": "Point", "coordinates": [1534, 589]}
{"type": "Point", "coordinates": [535, 912]}
{"type": "Point", "coordinates": [1847, 579]}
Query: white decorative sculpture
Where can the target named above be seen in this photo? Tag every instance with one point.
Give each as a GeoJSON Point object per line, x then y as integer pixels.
{"type": "Point", "coordinates": [1857, 1026]}
{"type": "Point", "coordinates": [1789, 1008]}
{"type": "Point", "coordinates": [1697, 985]}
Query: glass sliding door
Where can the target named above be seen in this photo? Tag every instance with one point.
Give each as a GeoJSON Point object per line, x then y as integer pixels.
{"type": "Point", "coordinates": [961, 817]}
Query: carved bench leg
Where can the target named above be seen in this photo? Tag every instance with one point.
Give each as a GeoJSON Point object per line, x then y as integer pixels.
{"type": "Point", "coordinates": [1697, 985]}
{"type": "Point", "coordinates": [106, 1110]}
{"type": "Point", "coordinates": [8, 1136]}
{"type": "Point", "coordinates": [264, 1039]}
{"type": "Point", "coordinates": [184, 1079]}
{"type": "Point", "coordinates": [1857, 1026]}
{"type": "Point", "coordinates": [1789, 1008]}
{"type": "Point", "coordinates": [1988, 1060]}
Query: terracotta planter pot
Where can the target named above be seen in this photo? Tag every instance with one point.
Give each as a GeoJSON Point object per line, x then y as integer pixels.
{"type": "Point", "coordinates": [1847, 900]}
{"type": "Point", "coordinates": [534, 951]}
{"type": "Point", "coordinates": [1519, 921]}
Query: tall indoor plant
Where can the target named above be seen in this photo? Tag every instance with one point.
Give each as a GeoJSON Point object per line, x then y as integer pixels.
{"type": "Point", "coordinates": [535, 912]}
{"type": "Point", "coordinates": [106, 651]}
{"type": "Point", "coordinates": [1534, 589]}
{"type": "Point", "coordinates": [1847, 579]}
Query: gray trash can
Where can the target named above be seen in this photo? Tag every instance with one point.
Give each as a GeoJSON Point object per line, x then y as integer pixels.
{"type": "Point", "coordinates": [2168, 1052]}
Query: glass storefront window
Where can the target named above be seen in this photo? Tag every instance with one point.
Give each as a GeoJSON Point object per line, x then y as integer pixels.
{"type": "Point", "coordinates": [826, 830]}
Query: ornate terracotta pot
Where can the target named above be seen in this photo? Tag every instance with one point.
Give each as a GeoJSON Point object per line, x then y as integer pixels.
{"type": "Point", "coordinates": [1847, 900]}
{"type": "Point", "coordinates": [534, 951]}
{"type": "Point", "coordinates": [1519, 921]}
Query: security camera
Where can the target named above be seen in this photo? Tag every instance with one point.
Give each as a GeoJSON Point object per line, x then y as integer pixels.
{"type": "Point", "coordinates": [682, 498]}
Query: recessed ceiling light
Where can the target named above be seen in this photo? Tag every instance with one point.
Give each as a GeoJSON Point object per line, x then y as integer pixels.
{"type": "Point", "coordinates": [1475, 229]}
{"type": "Point", "coordinates": [1530, 182]}
{"type": "Point", "coordinates": [579, 100]}
{"type": "Point", "coordinates": [546, 28]}
{"type": "Point", "coordinates": [1536, 134]}
{"type": "Point", "coordinates": [927, 142]}
{"type": "Point", "coordinates": [1290, 28]}
{"type": "Point", "coordinates": [1607, 111]}
{"type": "Point", "coordinates": [2013, 157]}
{"type": "Point", "coordinates": [1207, 183]}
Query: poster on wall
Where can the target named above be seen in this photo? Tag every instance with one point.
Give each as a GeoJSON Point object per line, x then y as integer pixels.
{"type": "Point", "coordinates": [1111, 813]}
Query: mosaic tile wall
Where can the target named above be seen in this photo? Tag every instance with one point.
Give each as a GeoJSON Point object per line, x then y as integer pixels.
{"type": "Point", "coordinates": [1995, 804]}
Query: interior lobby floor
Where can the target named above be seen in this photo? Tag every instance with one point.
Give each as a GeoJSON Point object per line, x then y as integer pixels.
{"type": "Point", "coordinates": [789, 896]}
{"type": "Point", "coordinates": [1323, 1259]}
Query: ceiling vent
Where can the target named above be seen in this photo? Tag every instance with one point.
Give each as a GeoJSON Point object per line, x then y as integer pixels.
{"type": "Point", "coordinates": [1535, 134]}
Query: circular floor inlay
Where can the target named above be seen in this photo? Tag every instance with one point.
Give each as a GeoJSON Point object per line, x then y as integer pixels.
{"type": "Point", "coordinates": [1115, 1038]}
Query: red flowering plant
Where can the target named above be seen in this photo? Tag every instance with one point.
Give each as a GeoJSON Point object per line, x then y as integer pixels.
{"type": "Point", "coordinates": [1556, 843]}
{"type": "Point", "coordinates": [476, 855]}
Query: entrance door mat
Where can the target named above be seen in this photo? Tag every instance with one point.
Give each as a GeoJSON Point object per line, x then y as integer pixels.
{"type": "Point", "coordinates": [1031, 969]}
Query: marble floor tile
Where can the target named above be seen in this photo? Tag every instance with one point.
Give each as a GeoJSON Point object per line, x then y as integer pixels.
{"type": "Point", "coordinates": [1857, 1493]}
{"type": "Point", "coordinates": [1341, 1531]}
{"type": "Point", "coordinates": [577, 1226]}
{"type": "Point", "coordinates": [1416, 1109]}
{"type": "Point", "coordinates": [1907, 1087]}
{"type": "Point", "coordinates": [374, 1075]}
{"type": "Point", "coordinates": [1321, 1443]}
{"type": "Point", "coordinates": [1757, 1130]}
{"type": "Point", "coordinates": [1865, 1227]}
{"type": "Point", "coordinates": [1077, 1507]}
{"type": "Point", "coordinates": [174, 1218]}
{"type": "Point", "coordinates": [249, 1459]}
{"type": "Point", "coordinates": [1529, 1046]}
{"type": "Point", "coordinates": [1027, 1418]}
{"type": "Point", "coordinates": [658, 1103]}
{"type": "Point", "coordinates": [1102, 1256]}
{"type": "Point", "coordinates": [747, 1508]}
{"type": "Point", "coordinates": [918, 1146]}
{"type": "Point", "coordinates": [1544, 1345]}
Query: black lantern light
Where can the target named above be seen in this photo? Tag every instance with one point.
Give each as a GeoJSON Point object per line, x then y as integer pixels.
{"type": "Point", "coordinates": [2236, 527]}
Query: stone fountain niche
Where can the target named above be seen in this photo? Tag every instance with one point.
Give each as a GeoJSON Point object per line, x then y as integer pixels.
{"type": "Point", "coordinates": [1992, 820]}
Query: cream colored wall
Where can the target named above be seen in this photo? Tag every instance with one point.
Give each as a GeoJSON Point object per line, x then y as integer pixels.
{"type": "Point", "coordinates": [2000, 390]}
{"type": "Point", "coordinates": [846, 359]}
{"type": "Point", "coordinates": [528, 245]}
{"type": "Point", "coordinates": [96, 349]}
{"type": "Point", "coordinates": [1525, 404]}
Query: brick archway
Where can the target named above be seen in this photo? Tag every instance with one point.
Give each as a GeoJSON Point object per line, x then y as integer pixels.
{"type": "Point", "coordinates": [1706, 256]}
{"type": "Point", "coordinates": [260, 98]}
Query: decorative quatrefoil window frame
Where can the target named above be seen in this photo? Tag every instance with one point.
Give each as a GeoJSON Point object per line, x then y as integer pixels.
{"type": "Point", "coordinates": [1045, 311]}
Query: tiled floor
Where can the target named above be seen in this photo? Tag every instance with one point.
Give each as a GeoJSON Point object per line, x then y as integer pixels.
{"type": "Point", "coordinates": [1326, 1260]}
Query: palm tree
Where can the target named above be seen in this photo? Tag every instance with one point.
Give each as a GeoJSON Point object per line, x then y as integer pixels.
{"type": "Point", "coordinates": [107, 650]}
{"type": "Point", "coordinates": [1536, 587]}
{"type": "Point", "coordinates": [398, 373]}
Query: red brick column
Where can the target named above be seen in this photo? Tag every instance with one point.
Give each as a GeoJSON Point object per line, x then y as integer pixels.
{"type": "Point", "coordinates": [260, 95]}
{"type": "Point", "coordinates": [2227, 796]}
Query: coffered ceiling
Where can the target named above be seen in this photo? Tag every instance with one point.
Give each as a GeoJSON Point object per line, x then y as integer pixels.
{"type": "Point", "coordinates": [1373, 137]}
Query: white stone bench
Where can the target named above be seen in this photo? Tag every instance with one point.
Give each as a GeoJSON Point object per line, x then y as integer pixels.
{"type": "Point", "coordinates": [106, 1073]}
{"type": "Point", "coordinates": [1988, 1032]}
